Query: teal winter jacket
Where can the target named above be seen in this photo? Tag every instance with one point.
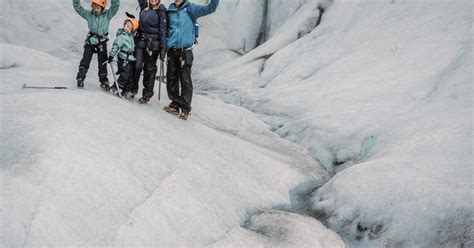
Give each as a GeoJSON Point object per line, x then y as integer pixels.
{"type": "Point", "coordinates": [181, 33]}
{"type": "Point", "coordinates": [124, 45]}
{"type": "Point", "coordinates": [98, 24]}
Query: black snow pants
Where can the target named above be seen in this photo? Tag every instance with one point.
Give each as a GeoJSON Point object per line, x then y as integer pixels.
{"type": "Point", "coordinates": [180, 62]}
{"type": "Point", "coordinates": [89, 50]}
{"type": "Point", "coordinates": [125, 72]}
{"type": "Point", "coordinates": [146, 62]}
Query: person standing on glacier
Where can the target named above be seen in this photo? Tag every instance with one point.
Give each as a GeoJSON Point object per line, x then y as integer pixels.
{"type": "Point", "coordinates": [98, 20]}
{"type": "Point", "coordinates": [182, 17]}
{"type": "Point", "coordinates": [150, 43]}
{"type": "Point", "coordinates": [124, 47]}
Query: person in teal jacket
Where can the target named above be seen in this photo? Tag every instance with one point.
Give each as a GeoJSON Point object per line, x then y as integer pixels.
{"type": "Point", "coordinates": [182, 33]}
{"type": "Point", "coordinates": [98, 20]}
{"type": "Point", "coordinates": [123, 48]}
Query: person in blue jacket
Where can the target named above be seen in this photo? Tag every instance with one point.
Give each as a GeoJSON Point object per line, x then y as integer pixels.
{"type": "Point", "coordinates": [182, 17]}
{"type": "Point", "coordinates": [150, 44]}
{"type": "Point", "coordinates": [123, 48]}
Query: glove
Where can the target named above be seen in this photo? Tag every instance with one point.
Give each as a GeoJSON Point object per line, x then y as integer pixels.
{"type": "Point", "coordinates": [110, 59]}
{"type": "Point", "coordinates": [162, 54]}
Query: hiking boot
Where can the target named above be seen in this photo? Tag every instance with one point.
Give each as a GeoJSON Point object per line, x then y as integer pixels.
{"type": "Point", "coordinates": [172, 110]}
{"type": "Point", "coordinates": [105, 86]}
{"type": "Point", "coordinates": [184, 115]}
{"type": "Point", "coordinates": [113, 89]}
{"type": "Point", "coordinates": [133, 93]}
{"type": "Point", "coordinates": [80, 83]}
{"type": "Point", "coordinates": [127, 95]}
{"type": "Point", "coordinates": [144, 100]}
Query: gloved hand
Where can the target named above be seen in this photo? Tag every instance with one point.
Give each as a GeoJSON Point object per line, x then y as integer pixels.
{"type": "Point", "coordinates": [162, 54]}
{"type": "Point", "coordinates": [110, 59]}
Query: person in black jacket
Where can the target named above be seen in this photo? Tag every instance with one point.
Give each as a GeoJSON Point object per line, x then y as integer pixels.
{"type": "Point", "coordinates": [150, 44]}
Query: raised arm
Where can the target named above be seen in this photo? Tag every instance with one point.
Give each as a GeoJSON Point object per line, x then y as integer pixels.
{"type": "Point", "coordinates": [79, 9]}
{"type": "Point", "coordinates": [203, 10]}
{"type": "Point", "coordinates": [143, 4]}
{"type": "Point", "coordinates": [113, 9]}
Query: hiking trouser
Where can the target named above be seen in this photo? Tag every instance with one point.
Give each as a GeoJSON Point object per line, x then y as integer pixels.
{"type": "Point", "coordinates": [125, 72]}
{"type": "Point", "coordinates": [145, 62]}
{"type": "Point", "coordinates": [89, 50]}
{"type": "Point", "coordinates": [178, 77]}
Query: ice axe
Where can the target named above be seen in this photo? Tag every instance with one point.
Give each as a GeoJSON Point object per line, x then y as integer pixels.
{"type": "Point", "coordinates": [115, 78]}
{"type": "Point", "coordinates": [44, 87]}
{"type": "Point", "coordinates": [130, 15]}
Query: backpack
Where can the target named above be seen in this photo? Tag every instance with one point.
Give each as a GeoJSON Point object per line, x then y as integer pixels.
{"type": "Point", "coordinates": [196, 24]}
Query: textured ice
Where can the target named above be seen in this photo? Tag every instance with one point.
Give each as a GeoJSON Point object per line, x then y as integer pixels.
{"type": "Point", "coordinates": [85, 168]}
{"type": "Point", "coordinates": [380, 93]}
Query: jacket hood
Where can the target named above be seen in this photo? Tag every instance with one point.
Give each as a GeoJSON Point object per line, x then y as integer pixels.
{"type": "Point", "coordinates": [161, 7]}
{"type": "Point", "coordinates": [121, 31]}
{"type": "Point", "coordinates": [173, 5]}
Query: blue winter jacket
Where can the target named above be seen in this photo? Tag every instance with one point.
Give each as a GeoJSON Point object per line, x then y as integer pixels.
{"type": "Point", "coordinates": [124, 46]}
{"type": "Point", "coordinates": [154, 25]}
{"type": "Point", "coordinates": [181, 33]}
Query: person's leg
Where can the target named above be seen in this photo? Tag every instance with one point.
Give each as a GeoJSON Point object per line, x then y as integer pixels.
{"type": "Point", "coordinates": [131, 73]}
{"type": "Point", "coordinates": [172, 79]}
{"type": "Point", "coordinates": [149, 74]}
{"type": "Point", "coordinates": [186, 82]}
{"type": "Point", "coordinates": [102, 58]}
{"type": "Point", "coordinates": [85, 62]}
{"type": "Point", "coordinates": [137, 70]}
{"type": "Point", "coordinates": [123, 74]}
{"type": "Point", "coordinates": [128, 76]}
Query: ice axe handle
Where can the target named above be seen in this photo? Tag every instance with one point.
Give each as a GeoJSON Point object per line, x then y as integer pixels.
{"type": "Point", "coordinates": [108, 62]}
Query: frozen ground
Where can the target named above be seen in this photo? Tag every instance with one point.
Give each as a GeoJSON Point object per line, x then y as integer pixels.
{"type": "Point", "coordinates": [81, 167]}
{"type": "Point", "coordinates": [380, 93]}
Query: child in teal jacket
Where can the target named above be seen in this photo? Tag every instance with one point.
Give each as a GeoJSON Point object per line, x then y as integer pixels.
{"type": "Point", "coordinates": [123, 48]}
{"type": "Point", "coordinates": [98, 20]}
